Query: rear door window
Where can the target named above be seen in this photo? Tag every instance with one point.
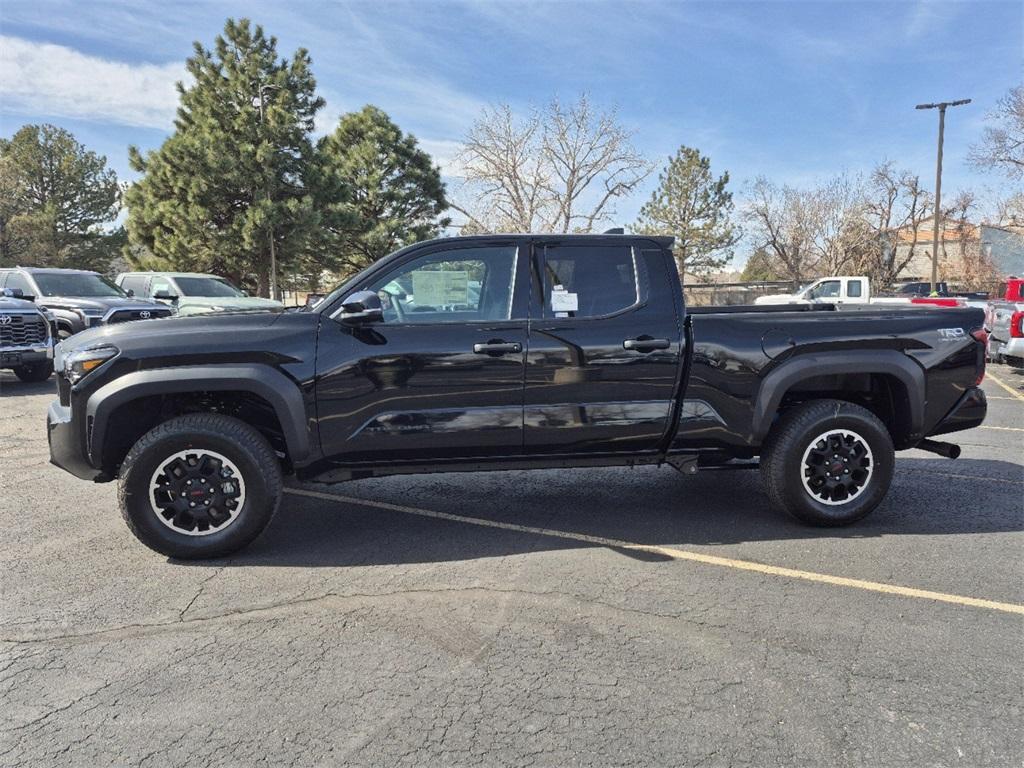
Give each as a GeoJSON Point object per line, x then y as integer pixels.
{"type": "Point", "coordinates": [588, 281]}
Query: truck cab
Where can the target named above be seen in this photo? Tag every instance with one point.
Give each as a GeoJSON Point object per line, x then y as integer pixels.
{"type": "Point", "coordinates": [827, 290]}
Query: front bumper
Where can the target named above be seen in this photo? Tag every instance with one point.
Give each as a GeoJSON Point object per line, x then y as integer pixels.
{"type": "Point", "coordinates": [66, 448]}
{"type": "Point", "coordinates": [969, 412]}
{"type": "Point", "coordinates": [12, 357]}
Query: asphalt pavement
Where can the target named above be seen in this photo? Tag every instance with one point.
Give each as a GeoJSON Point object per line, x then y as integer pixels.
{"type": "Point", "coordinates": [605, 617]}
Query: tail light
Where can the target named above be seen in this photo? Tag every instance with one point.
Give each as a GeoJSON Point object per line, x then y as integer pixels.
{"type": "Point", "coordinates": [1017, 325]}
{"type": "Point", "coordinates": [981, 336]}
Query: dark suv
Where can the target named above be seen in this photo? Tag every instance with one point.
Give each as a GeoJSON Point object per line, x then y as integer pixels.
{"type": "Point", "coordinates": [79, 299]}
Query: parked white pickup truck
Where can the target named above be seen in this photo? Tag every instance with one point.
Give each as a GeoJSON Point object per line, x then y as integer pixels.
{"type": "Point", "coordinates": [845, 290]}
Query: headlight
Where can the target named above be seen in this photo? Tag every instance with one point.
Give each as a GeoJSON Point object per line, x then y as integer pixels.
{"type": "Point", "coordinates": [80, 364]}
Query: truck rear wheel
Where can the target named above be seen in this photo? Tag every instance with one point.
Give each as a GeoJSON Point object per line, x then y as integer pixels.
{"type": "Point", "coordinates": [828, 462]}
{"type": "Point", "coordinates": [199, 486]}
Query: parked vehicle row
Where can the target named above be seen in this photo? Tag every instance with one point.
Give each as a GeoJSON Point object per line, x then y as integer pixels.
{"type": "Point", "coordinates": [848, 291]}
{"type": "Point", "coordinates": [502, 352]}
{"type": "Point", "coordinates": [79, 299]}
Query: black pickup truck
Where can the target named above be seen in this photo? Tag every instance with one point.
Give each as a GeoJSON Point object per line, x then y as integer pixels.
{"type": "Point", "coordinates": [500, 352]}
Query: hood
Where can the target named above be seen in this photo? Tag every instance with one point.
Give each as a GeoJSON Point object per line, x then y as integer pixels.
{"type": "Point", "coordinates": [102, 303]}
{"type": "Point", "coordinates": [227, 303]}
{"type": "Point", "coordinates": [16, 305]}
{"type": "Point", "coordinates": [173, 333]}
{"type": "Point", "coordinates": [276, 338]}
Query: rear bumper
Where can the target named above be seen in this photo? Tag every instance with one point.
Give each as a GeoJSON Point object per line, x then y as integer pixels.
{"type": "Point", "coordinates": [1013, 348]}
{"type": "Point", "coordinates": [968, 413]}
{"type": "Point", "coordinates": [66, 450]}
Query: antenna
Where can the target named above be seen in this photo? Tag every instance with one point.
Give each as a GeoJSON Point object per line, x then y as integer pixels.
{"type": "Point", "coordinates": [615, 231]}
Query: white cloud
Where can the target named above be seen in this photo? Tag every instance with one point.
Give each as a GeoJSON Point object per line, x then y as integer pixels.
{"type": "Point", "coordinates": [446, 154]}
{"type": "Point", "coordinates": [45, 79]}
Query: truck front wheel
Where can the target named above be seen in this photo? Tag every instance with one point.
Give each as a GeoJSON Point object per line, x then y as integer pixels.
{"type": "Point", "coordinates": [199, 486]}
{"type": "Point", "coordinates": [34, 372]}
{"type": "Point", "coordinates": [827, 462]}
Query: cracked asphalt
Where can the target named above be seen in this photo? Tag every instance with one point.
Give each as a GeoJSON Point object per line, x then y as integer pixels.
{"type": "Point", "coordinates": [361, 635]}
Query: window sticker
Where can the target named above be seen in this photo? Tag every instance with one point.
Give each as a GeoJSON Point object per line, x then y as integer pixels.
{"type": "Point", "coordinates": [563, 301]}
{"type": "Point", "coordinates": [440, 288]}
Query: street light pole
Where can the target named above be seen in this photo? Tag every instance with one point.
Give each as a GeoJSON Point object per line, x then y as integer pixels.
{"type": "Point", "coordinates": [273, 254]}
{"type": "Point", "coordinates": [941, 106]}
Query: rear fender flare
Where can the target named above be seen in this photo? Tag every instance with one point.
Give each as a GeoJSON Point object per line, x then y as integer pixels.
{"type": "Point", "coordinates": [889, 362]}
{"type": "Point", "coordinates": [282, 393]}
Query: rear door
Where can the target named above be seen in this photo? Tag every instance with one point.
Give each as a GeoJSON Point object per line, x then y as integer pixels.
{"type": "Point", "coordinates": [604, 350]}
{"type": "Point", "coordinates": [442, 375]}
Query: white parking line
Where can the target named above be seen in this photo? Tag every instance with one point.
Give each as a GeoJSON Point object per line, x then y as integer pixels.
{"type": "Point", "coordinates": [677, 554]}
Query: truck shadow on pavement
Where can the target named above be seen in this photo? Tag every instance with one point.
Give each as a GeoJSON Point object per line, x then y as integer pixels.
{"type": "Point", "coordinates": [12, 386]}
{"type": "Point", "coordinates": [645, 506]}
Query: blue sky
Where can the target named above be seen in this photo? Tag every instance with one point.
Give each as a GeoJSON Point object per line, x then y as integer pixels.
{"type": "Point", "coordinates": [793, 91]}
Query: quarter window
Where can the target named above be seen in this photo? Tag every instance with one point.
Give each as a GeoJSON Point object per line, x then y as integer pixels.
{"type": "Point", "coordinates": [18, 280]}
{"type": "Point", "coordinates": [136, 284]}
{"type": "Point", "coordinates": [460, 285]}
{"type": "Point", "coordinates": [588, 281]}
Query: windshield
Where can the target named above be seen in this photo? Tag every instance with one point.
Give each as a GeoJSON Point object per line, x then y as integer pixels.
{"type": "Point", "coordinates": [206, 286]}
{"type": "Point", "coordinates": [75, 284]}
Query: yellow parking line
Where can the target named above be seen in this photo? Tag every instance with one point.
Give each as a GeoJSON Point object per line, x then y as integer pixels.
{"type": "Point", "coordinates": [677, 554]}
{"type": "Point", "coordinates": [1017, 395]}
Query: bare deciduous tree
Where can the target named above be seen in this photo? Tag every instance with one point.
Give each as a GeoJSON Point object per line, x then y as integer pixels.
{"type": "Point", "coordinates": [895, 208]}
{"type": "Point", "coordinates": [1002, 144]}
{"type": "Point", "coordinates": [807, 232]}
{"type": "Point", "coordinates": [560, 169]}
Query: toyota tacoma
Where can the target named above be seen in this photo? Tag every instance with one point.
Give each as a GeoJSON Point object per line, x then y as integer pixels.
{"type": "Point", "coordinates": [506, 352]}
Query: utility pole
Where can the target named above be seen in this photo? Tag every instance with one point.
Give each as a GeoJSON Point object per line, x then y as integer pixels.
{"type": "Point", "coordinates": [273, 254]}
{"type": "Point", "coordinates": [941, 106]}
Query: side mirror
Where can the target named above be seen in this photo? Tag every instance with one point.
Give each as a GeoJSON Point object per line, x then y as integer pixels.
{"type": "Point", "coordinates": [360, 308]}
{"type": "Point", "coordinates": [165, 296]}
{"type": "Point", "coordinates": [18, 293]}
{"type": "Point", "coordinates": [131, 293]}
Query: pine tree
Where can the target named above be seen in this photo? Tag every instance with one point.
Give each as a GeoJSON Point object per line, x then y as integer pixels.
{"type": "Point", "coordinates": [380, 190]}
{"type": "Point", "coordinates": [694, 207]}
{"type": "Point", "coordinates": [238, 170]}
{"type": "Point", "coordinates": [55, 198]}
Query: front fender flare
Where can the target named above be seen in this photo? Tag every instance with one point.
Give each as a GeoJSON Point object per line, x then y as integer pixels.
{"type": "Point", "coordinates": [800, 367]}
{"type": "Point", "coordinates": [282, 393]}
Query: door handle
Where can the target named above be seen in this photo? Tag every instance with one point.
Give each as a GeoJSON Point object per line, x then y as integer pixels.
{"type": "Point", "coordinates": [646, 344]}
{"type": "Point", "coordinates": [497, 348]}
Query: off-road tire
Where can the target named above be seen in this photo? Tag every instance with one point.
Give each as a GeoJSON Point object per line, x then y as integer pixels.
{"type": "Point", "coordinates": [35, 372]}
{"type": "Point", "coordinates": [235, 440]}
{"type": "Point", "coordinates": [783, 466]}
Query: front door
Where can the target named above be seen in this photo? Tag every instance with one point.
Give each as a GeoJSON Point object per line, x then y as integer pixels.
{"type": "Point", "coordinates": [442, 375]}
{"type": "Point", "coordinates": [605, 350]}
